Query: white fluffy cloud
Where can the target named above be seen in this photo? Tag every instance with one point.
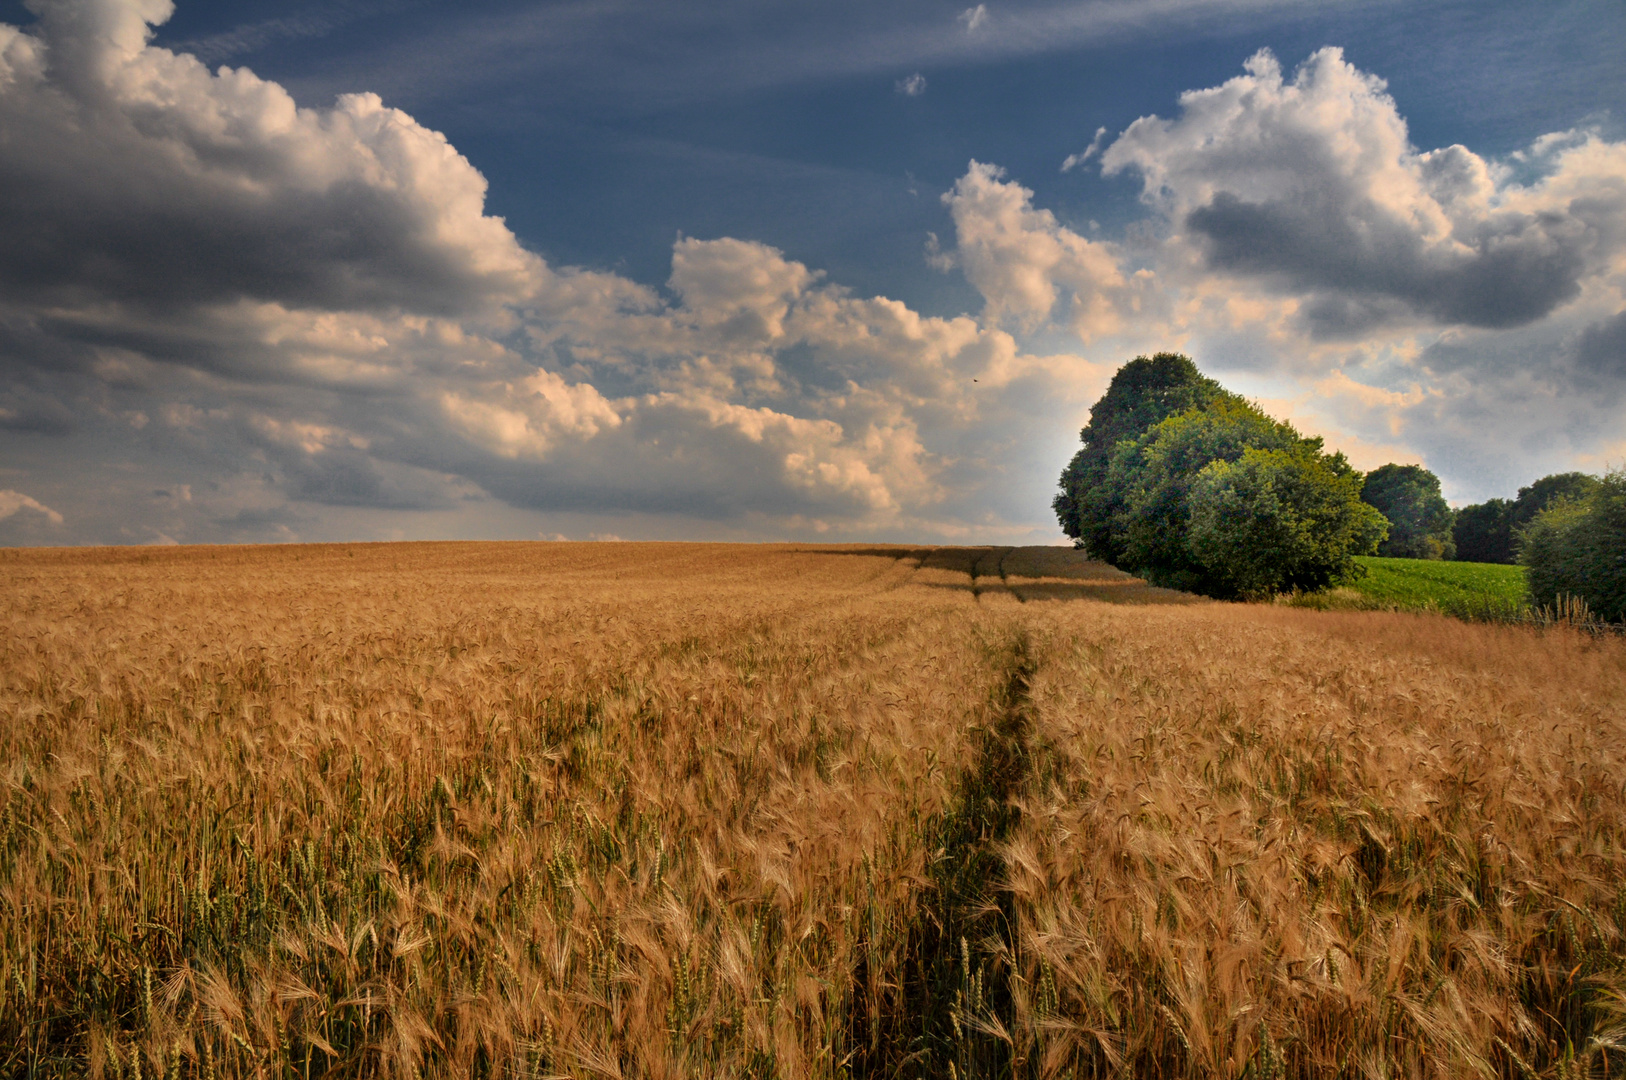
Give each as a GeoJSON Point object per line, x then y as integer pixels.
{"type": "Point", "coordinates": [1308, 190]}
{"type": "Point", "coordinates": [1312, 186]}
{"type": "Point", "coordinates": [1023, 260]}
{"type": "Point", "coordinates": [293, 308]}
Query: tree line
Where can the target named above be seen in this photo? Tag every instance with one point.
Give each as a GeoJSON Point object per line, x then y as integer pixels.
{"type": "Point", "coordinates": [1193, 487]}
{"type": "Point", "coordinates": [1422, 526]}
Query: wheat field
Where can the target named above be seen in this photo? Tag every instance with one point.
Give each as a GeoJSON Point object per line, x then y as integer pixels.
{"type": "Point", "coordinates": [627, 810]}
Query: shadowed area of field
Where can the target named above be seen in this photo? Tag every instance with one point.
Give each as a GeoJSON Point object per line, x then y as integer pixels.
{"type": "Point", "coordinates": [1024, 573]}
{"type": "Point", "coordinates": [663, 810]}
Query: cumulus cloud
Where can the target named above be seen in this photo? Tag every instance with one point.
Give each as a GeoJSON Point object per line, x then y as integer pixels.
{"type": "Point", "coordinates": [280, 309]}
{"type": "Point", "coordinates": [135, 176]}
{"type": "Point", "coordinates": [1024, 261]}
{"type": "Point", "coordinates": [912, 85]}
{"type": "Point", "coordinates": [1311, 185]}
{"type": "Point", "coordinates": [1431, 304]}
{"type": "Point", "coordinates": [974, 18]}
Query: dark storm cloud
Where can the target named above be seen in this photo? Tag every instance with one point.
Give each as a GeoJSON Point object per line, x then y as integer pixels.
{"type": "Point", "coordinates": [1583, 366]}
{"type": "Point", "coordinates": [1601, 349]}
{"type": "Point", "coordinates": [24, 409]}
{"type": "Point", "coordinates": [76, 238]}
{"type": "Point", "coordinates": [350, 477]}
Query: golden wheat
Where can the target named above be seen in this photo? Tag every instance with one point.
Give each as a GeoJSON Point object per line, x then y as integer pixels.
{"type": "Point", "coordinates": [703, 810]}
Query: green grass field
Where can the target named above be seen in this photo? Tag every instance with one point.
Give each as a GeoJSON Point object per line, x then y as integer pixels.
{"type": "Point", "coordinates": [1420, 583]}
{"type": "Point", "coordinates": [1467, 590]}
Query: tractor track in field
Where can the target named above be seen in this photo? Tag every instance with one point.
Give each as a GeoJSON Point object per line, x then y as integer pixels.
{"type": "Point", "coordinates": [940, 1021]}
{"type": "Point", "coordinates": [976, 572]}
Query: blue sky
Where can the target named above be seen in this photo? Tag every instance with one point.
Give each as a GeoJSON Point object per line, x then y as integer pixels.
{"type": "Point", "coordinates": [746, 270]}
{"type": "Point", "coordinates": [602, 137]}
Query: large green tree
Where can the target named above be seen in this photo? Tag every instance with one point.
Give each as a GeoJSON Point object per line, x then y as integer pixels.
{"type": "Point", "coordinates": [1151, 480]}
{"type": "Point", "coordinates": [1489, 531]}
{"type": "Point", "coordinates": [1195, 488]}
{"type": "Point", "coordinates": [1577, 548]}
{"type": "Point", "coordinates": [1483, 532]}
{"type": "Point", "coordinates": [1280, 519]}
{"type": "Point", "coordinates": [1419, 518]}
{"type": "Point", "coordinates": [1532, 500]}
{"type": "Point", "coordinates": [1144, 391]}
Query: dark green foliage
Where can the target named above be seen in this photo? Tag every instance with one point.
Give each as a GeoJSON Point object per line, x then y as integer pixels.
{"type": "Point", "coordinates": [1577, 548]}
{"type": "Point", "coordinates": [1280, 519]}
{"type": "Point", "coordinates": [1419, 519]}
{"type": "Point", "coordinates": [1483, 532]}
{"type": "Point", "coordinates": [1543, 493]}
{"type": "Point", "coordinates": [1153, 477]}
{"type": "Point", "coordinates": [1488, 531]}
{"type": "Point", "coordinates": [1143, 392]}
{"type": "Point", "coordinates": [1215, 497]}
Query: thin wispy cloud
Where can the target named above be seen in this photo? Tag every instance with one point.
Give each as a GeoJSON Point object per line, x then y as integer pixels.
{"type": "Point", "coordinates": [1073, 161]}
{"type": "Point", "coordinates": [912, 85]}
{"type": "Point", "coordinates": [315, 21]}
{"type": "Point", "coordinates": [15, 502]}
{"type": "Point", "coordinates": [579, 44]}
{"type": "Point", "coordinates": [256, 36]}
